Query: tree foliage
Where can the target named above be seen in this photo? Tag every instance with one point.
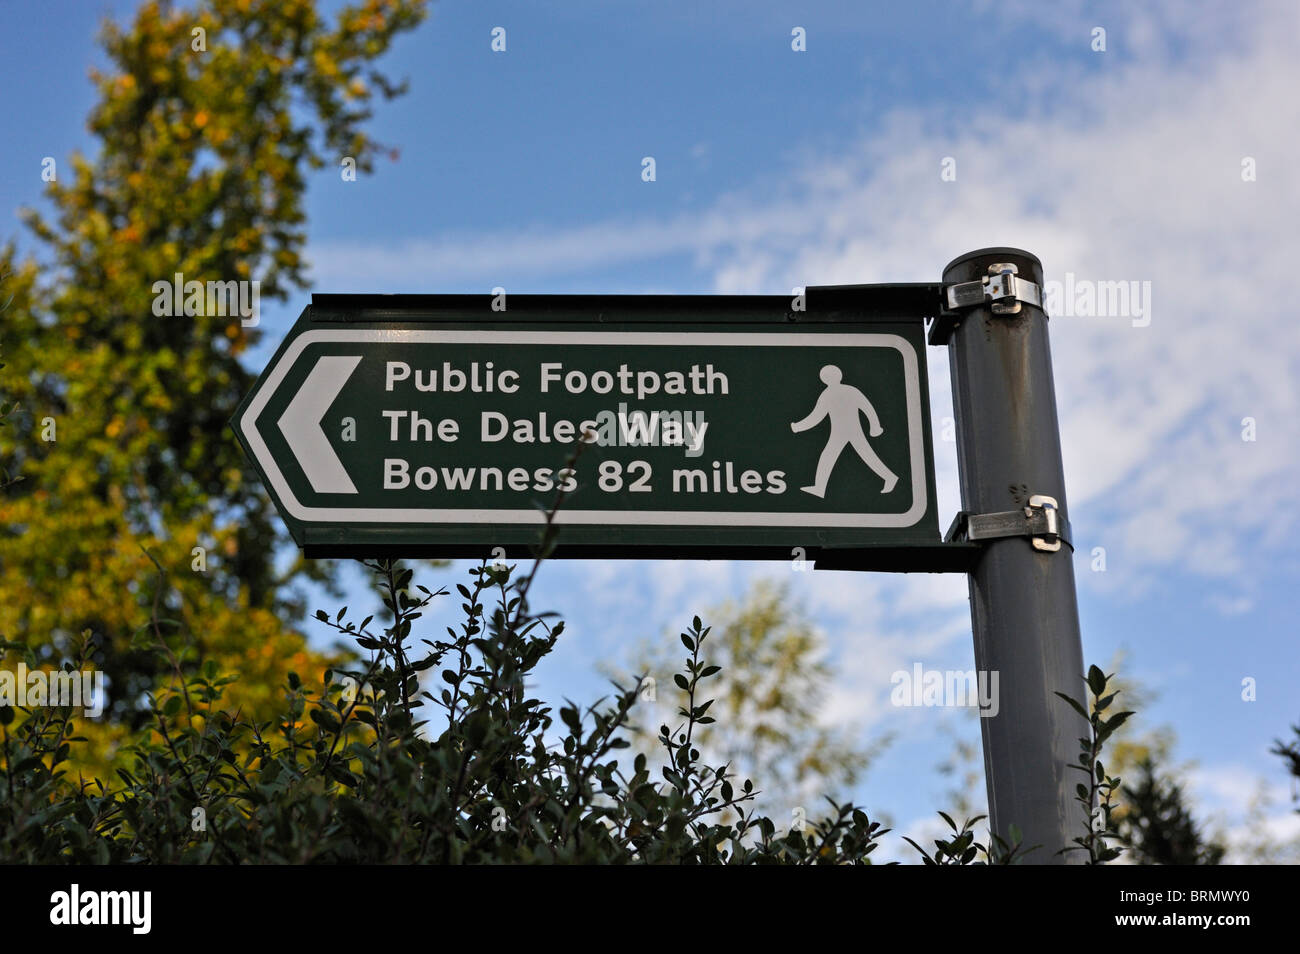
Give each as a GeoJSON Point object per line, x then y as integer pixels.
{"type": "Point", "coordinates": [1289, 753]}
{"type": "Point", "coordinates": [1158, 827]}
{"type": "Point", "coordinates": [1151, 817]}
{"type": "Point", "coordinates": [772, 687]}
{"type": "Point", "coordinates": [208, 119]}
{"type": "Point", "coordinates": [374, 769]}
{"type": "Point", "coordinates": [427, 750]}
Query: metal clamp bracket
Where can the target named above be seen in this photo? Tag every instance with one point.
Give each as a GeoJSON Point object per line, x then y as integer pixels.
{"type": "Point", "coordinates": [1041, 521]}
{"type": "Point", "coordinates": [1000, 286]}
{"type": "Point", "coordinates": [1001, 289]}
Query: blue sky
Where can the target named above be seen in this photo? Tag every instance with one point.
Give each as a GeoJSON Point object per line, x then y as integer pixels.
{"type": "Point", "coordinates": [778, 169]}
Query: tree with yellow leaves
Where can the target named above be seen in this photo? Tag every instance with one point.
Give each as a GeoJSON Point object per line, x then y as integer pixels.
{"type": "Point", "coordinates": [136, 520]}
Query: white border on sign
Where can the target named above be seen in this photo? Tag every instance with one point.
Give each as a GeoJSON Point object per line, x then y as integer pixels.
{"type": "Point", "coordinates": [624, 517]}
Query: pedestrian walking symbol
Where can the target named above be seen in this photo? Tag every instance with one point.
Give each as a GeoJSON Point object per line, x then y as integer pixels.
{"type": "Point", "coordinates": [842, 403]}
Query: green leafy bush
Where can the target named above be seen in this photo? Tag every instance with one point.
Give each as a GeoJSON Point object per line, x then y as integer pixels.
{"type": "Point", "coordinates": [377, 768]}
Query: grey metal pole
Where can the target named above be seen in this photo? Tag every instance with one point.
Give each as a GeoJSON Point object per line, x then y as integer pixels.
{"type": "Point", "coordinates": [1024, 611]}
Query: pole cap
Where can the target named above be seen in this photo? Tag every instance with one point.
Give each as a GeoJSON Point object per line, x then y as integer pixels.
{"type": "Point", "coordinates": [974, 265]}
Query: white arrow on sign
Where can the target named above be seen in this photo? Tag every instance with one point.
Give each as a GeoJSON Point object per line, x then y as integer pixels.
{"type": "Point", "coordinates": [300, 424]}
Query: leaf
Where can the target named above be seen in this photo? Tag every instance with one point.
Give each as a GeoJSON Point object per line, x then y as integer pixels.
{"type": "Point", "coordinates": [1117, 720]}
{"type": "Point", "coordinates": [1074, 705]}
{"type": "Point", "coordinates": [324, 719]}
{"type": "Point", "coordinates": [1096, 680]}
{"type": "Point", "coordinates": [476, 727]}
{"type": "Point", "coordinates": [570, 717]}
{"type": "Point", "coordinates": [918, 848]}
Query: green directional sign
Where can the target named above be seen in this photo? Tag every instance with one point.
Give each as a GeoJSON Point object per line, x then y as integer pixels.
{"type": "Point", "coordinates": [434, 425]}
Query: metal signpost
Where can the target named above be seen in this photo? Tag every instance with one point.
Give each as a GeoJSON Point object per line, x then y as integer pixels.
{"type": "Point", "coordinates": [698, 427]}
{"type": "Point", "coordinates": [1023, 607]}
